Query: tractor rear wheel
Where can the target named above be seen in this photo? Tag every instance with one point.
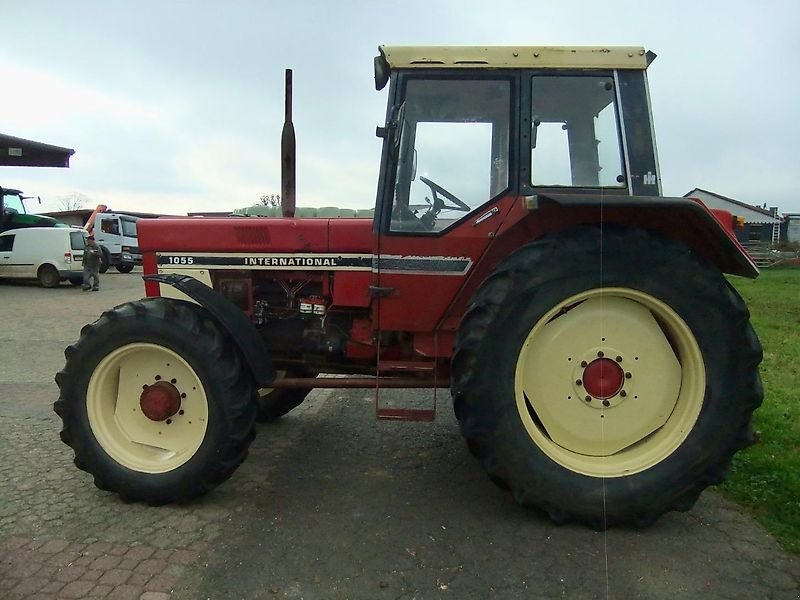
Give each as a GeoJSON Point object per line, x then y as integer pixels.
{"type": "Point", "coordinates": [620, 379]}
{"type": "Point", "coordinates": [155, 402]}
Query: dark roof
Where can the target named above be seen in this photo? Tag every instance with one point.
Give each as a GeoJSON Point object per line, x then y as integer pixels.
{"type": "Point", "coordinates": [17, 152]}
{"type": "Point", "coordinates": [764, 211]}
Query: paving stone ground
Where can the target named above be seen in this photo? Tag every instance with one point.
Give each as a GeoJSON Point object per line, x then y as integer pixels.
{"type": "Point", "coordinates": [329, 504]}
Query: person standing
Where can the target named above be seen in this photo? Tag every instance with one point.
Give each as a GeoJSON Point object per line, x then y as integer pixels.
{"type": "Point", "coordinates": [91, 265]}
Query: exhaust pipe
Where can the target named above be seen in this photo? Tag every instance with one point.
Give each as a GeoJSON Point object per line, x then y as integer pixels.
{"type": "Point", "coordinates": [288, 154]}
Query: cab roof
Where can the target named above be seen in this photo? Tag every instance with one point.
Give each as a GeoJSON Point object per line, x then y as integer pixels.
{"type": "Point", "coordinates": [509, 57]}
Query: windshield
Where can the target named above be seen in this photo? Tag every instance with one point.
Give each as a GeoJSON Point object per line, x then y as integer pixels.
{"type": "Point", "coordinates": [13, 203]}
{"type": "Point", "coordinates": [128, 228]}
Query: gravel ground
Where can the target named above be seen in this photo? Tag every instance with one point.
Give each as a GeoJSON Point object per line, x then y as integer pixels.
{"type": "Point", "coordinates": [330, 504]}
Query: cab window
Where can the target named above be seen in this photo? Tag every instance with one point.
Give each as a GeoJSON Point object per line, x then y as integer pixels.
{"type": "Point", "coordinates": [575, 138]}
{"type": "Point", "coordinates": [77, 241]}
{"type": "Point", "coordinates": [110, 226]}
{"type": "Point", "coordinates": [6, 243]}
{"type": "Point", "coordinates": [128, 227]}
{"type": "Point", "coordinates": [452, 141]}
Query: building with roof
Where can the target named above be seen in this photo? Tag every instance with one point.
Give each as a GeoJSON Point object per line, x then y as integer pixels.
{"type": "Point", "coordinates": [761, 224]}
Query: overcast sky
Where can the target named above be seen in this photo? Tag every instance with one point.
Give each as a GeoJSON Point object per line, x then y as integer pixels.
{"type": "Point", "coordinates": [178, 106]}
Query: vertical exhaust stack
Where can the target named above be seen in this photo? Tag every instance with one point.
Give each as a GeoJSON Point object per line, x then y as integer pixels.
{"type": "Point", "coordinates": [288, 154]}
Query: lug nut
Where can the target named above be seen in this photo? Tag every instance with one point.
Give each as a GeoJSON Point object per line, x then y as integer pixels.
{"type": "Point", "coordinates": [588, 398]}
{"type": "Point", "coordinates": [623, 393]}
{"type": "Point", "coordinates": [628, 375]}
{"type": "Point", "coordinates": [600, 354]}
{"type": "Point", "coordinates": [183, 395]}
{"type": "Point", "coordinates": [578, 382]}
{"type": "Point", "coordinates": [180, 412]}
{"type": "Point", "coordinates": [158, 377]}
{"type": "Point", "coordinates": [584, 363]}
{"type": "Point", "coordinates": [173, 380]}
{"type": "Point", "coordinates": [619, 359]}
{"type": "Point", "coordinates": [606, 403]}
{"type": "Point", "coordinates": [169, 421]}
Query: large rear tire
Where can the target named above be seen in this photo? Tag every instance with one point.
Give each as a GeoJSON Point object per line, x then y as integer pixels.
{"type": "Point", "coordinates": [155, 402]}
{"type": "Point", "coordinates": [620, 379]}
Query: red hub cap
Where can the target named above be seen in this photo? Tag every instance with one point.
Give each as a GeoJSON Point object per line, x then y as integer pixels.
{"type": "Point", "coordinates": [160, 401]}
{"type": "Point", "coordinates": [603, 378]}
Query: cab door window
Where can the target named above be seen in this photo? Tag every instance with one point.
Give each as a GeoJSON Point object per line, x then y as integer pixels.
{"type": "Point", "coordinates": [453, 151]}
{"type": "Point", "coordinates": [575, 134]}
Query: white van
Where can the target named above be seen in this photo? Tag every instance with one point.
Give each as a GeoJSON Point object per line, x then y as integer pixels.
{"type": "Point", "coordinates": [49, 254]}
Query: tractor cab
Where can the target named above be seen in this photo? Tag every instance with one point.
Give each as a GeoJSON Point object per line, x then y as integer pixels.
{"type": "Point", "coordinates": [466, 126]}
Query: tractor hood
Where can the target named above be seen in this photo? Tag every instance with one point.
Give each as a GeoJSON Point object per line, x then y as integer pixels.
{"type": "Point", "coordinates": [247, 235]}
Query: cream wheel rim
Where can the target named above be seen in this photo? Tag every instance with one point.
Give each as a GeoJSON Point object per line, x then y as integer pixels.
{"type": "Point", "coordinates": [116, 418]}
{"type": "Point", "coordinates": [609, 382]}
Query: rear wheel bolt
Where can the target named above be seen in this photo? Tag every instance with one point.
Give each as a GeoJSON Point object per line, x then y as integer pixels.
{"type": "Point", "coordinates": [619, 359]}
{"type": "Point", "coordinates": [584, 363]}
{"type": "Point", "coordinates": [158, 377]}
{"type": "Point", "coordinates": [606, 403]}
{"type": "Point", "coordinates": [588, 398]}
{"type": "Point", "coordinates": [578, 382]}
{"type": "Point", "coordinates": [623, 393]}
{"type": "Point", "coordinates": [600, 354]}
{"type": "Point", "coordinates": [169, 421]}
{"type": "Point", "coordinates": [628, 375]}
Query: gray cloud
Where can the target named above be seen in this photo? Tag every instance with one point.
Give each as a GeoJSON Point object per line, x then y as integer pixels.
{"type": "Point", "coordinates": [185, 102]}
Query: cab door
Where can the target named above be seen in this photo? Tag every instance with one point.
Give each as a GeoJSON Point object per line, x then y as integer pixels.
{"type": "Point", "coordinates": [446, 178]}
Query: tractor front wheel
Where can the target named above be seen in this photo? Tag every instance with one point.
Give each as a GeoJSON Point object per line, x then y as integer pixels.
{"type": "Point", "coordinates": [155, 402]}
{"type": "Point", "coordinates": [620, 378]}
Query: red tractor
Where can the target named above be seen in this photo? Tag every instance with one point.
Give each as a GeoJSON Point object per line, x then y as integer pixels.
{"type": "Point", "coordinates": [601, 366]}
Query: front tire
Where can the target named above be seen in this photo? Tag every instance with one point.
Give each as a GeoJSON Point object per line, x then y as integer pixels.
{"type": "Point", "coordinates": [118, 433]}
{"type": "Point", "coordinates": [124, 268]}
{"type": "Point", "coordinates": [620, 380]}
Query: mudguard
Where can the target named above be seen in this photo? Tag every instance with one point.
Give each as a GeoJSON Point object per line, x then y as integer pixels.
{"type": "Point", "coordinates": [685, 219]}
{"type": "Point", "coordinates": [231, 318]}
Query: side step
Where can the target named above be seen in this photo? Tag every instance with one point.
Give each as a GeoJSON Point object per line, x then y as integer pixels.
{"type": "Point", "coordinates": [405, 404]}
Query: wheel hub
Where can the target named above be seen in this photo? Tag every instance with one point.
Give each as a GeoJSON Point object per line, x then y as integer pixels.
{"type": "Point", "coordinates": [160, 401]}
{"type": "Point", "coordinates": [603, 378]}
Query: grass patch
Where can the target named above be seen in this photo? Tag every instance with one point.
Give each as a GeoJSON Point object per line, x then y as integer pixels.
{"type": "Point", "coordinates": [765, 478]}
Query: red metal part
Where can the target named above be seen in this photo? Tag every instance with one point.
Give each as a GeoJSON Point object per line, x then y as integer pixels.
{"type": "Point", "coordinates": [160, 401]}
{"type": "Point", "coordinates": [418, 300]}
{"type": "Point", "coordinates": [603, 378]}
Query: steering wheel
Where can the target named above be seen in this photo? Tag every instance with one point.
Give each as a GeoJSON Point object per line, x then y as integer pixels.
{"type": "Point", "coordinates": [438, 204]}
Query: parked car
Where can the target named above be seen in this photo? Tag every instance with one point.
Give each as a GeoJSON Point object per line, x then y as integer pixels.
{"type": "Point", "coordinates": [49, 254]}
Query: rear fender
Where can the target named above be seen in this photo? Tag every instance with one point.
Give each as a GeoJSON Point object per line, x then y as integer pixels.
{"type": "Point", "coordinates": [231, 319]}
{"type": "Point", "coordinates": [683, 219]}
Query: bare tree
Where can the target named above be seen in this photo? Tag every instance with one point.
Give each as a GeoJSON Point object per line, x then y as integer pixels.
{"type": "Point", "coordinates": [270, 199]}
{"type": "Point", "coordinates": [75, 201]}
